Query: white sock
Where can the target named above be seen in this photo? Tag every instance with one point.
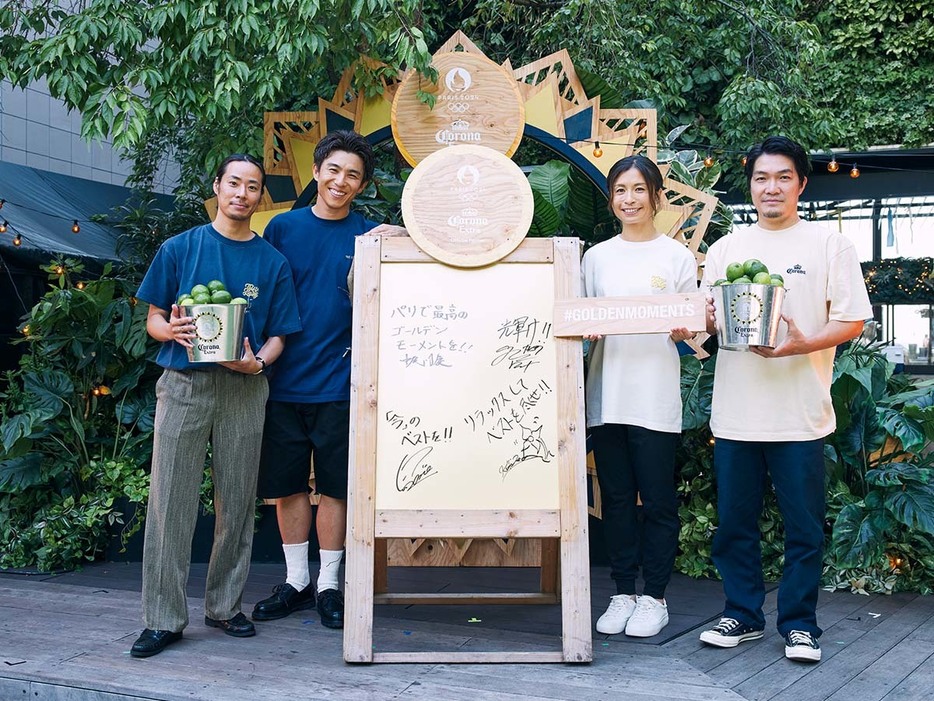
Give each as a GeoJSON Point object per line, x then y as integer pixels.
{"type": "Point", "coordinates": [330, 568]}
{"type": "Point", "coordinates": [296, 565]}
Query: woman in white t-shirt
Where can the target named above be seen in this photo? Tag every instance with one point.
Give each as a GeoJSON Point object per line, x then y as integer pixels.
{"type": "Point", "coordinates": [634, 401]}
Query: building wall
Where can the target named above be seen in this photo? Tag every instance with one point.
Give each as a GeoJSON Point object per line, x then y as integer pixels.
{"type": "Point", "coordinates": [37, 131]}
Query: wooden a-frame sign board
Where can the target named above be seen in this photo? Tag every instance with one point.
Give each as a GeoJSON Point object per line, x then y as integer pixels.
{"type": "Point", "coordinates": [467, 421]}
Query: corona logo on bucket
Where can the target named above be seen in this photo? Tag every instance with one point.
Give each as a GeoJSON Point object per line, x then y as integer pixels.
{"type": "Point", "coordinates": [746, 308]}
{"type": "Point", "coordinates": [219, 331]}
{"type": "Point", "coordinates": [208, 326]}
{"type": "Point", "coordinates": [750, 316]}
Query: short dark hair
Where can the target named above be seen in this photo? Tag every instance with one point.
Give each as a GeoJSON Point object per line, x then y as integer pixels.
{"type": "Point", "coordinates": [782, 146]}
{"type": "Point", "coordinates": [645, 166]}
{"type": "Point", "coordinates": [351, 142]}
{"type": "Point", "coordinates": [244, 157]}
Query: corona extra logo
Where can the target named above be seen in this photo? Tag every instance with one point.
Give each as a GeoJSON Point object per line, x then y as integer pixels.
{"type": "Point", "coordinates": [208, 326]}
{"type": "Point", "coordinates": [458, 80]}
{"type": "Point", "coordinates": [746, 308]}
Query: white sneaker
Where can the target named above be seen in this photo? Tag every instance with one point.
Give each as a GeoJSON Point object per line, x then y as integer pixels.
{"type": "Point", "coordinates": [650, 616]}
{"type": "Point", "coordinates": [617, 615]}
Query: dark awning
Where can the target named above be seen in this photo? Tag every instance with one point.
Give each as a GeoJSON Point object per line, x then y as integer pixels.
{"type": "Point", "coordinates": [884, 172]}
{"type": "Point", "coordinates": [41, 207]}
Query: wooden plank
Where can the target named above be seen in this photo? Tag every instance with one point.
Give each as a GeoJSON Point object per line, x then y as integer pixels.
{"type": "Point", "coordinates": [358, 625]}
{"type": "Point", "coordinates": [630, 315]}
{"type": "Point", "coordinates": [503, 657]}
{"type": "Point", "coordinates": [916, 685]}
{"type": "Point", "coordinates": [402, 249]}
{"type": "Point", "coordinates": [841, 668]}
{"type": "Point", "coordinates": [381, 565]}
{"type": "Point", "coordinates": [550, 575]}
{"type": "Point", "coordinates": [452, 523]}
{"type": "Point", "coordinates": [577, 643]}
{"type": "Point", "coordinates": [892, 668]}
{"type": "Point", "coordinates": [409, 599]}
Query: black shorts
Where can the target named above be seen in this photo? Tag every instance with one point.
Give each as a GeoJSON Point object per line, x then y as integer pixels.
{"type": "Point", "coordinates": [291, 435]}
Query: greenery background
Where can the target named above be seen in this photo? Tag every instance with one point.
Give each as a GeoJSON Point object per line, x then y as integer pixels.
{"type": "Point", "coordinates": [191, 80]}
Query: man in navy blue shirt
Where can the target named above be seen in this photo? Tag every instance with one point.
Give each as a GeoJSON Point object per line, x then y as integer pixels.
{"type": "Point", "coordinates": [222, 402]}
{"type": "Point", "coordinates": [309, 401]}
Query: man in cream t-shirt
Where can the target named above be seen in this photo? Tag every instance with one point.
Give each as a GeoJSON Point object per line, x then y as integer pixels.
{"type": "Point", "coordinates": [771, 407]}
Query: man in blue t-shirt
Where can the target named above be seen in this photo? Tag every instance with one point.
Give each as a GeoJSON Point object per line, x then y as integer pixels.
{"type": "Point", "coordinates": [309, 394]}
{"type": "Point", "coordinates": [222, 402]}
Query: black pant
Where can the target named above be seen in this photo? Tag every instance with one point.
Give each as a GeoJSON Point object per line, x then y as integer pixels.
{"type": "Point", "coordinates": [631, 460]}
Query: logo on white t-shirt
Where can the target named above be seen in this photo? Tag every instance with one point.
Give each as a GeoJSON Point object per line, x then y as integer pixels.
{"type": "Point", "coordinates": [797, 270]}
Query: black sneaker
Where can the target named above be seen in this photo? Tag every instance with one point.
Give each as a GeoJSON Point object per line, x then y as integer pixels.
{"type": "Point", "coordinates": [802, 646]}
{"type": "Point", "coordinates": [284, 600]}
{"type": "Point", "coordinates": [331, 608]}
{"type": "Point", "coordinates": [729, 633]}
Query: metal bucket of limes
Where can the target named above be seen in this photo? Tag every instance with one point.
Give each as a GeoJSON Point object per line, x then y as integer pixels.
{"type": "Point", "coordinates": [218, 320]}
{"type": "Point", "coordinates": [747, 314]}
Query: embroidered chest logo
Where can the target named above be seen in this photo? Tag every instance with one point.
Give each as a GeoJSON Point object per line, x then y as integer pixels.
{"type": "Point", "coordinates": [658, 282]}
{"type": "Point", "coordinates": [797, 270]}
{"type": "Point", "coordinates": [250, 292]}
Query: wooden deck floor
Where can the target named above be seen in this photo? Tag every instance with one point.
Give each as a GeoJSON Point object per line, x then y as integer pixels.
{"type": "Point", "coordinates": [67, 638]}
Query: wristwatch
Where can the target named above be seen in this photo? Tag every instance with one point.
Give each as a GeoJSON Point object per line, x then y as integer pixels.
{"type": "Point", "coordinates": [262, 365]}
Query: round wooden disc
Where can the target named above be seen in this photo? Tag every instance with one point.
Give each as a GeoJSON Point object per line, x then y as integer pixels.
{"type": "Point", "coordinates": [467, 206]}
{"type": "Point", "coordinates": [476, 102]}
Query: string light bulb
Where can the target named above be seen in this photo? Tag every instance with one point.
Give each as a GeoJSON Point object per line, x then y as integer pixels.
{"type": "Point", "coordinates": [80, 284]}
{"type": "Point", "coordinates": [744, 161]}
{"type": "Point", "coordinates": [74, 227]}
{"type": "Point", "coordinates": [854, 172]}
{"type": "Point", "coordinates": [17, 240]}
{"type": "Point", "coordinates": [3, 226]}
{"type": "Point", "coordinates": [59, 269]}
{"type": "Point", "coordinates": [708, 161]}
{"type": "Point", "coordinates": [597, 151]}
{"type": "Point", "coordinates": [833, 166]}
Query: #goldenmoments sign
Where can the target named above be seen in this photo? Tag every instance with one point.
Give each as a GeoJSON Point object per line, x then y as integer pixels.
{"type": "Point", "coordinates": [606, 316]}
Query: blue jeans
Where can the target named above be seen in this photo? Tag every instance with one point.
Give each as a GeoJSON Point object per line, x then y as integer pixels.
{"type": "Point", "coordinates": [797, 471]}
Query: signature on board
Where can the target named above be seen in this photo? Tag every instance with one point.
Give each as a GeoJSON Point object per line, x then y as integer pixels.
{"type": "Point", "coordinates": [414, 469]}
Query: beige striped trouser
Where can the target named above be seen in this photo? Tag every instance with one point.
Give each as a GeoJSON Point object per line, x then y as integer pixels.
{"type": "Point", "coordinates": [191, 408]}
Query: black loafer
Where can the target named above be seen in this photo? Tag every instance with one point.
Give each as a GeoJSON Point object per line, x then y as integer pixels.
{"type": "Point", "coordinates": [239, 626]}
{"type": "Point", "coordinates": [331, 608]}
{"type": "Point", "coordinates": [152, 642]}
{"type": "Point", "coordinates": [284, 600]}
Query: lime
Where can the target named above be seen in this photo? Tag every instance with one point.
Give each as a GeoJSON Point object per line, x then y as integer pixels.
{"type": "Point", "coordinates": [721, 281]}
{"type": "Point", "coordinates": [753, 267]}
{"type": "Point", "coordinates": [200, 290]}
{"type": "Point", "coordinates": [733, 271]}
{"type": "Point", "coordinates": [776, 276]}
{"type": "Point", "coordinates": [777, 281]}
{"type": "Point", "coordinates": [238, 300]}
{"type": "Point", "coordinates": [743, 280]}
{"type": "Point", "coordinates": [762, 279]}
{"type": "Point", "coordinates": [220, 297]}
{"type": "Point", "coordinates": [186, 301]}
{"type": "Point", "coordinates": [216, 286]}
{"type": "Point", "coordinates": [202, 298]}
{"type": "Point", "coordinates": [181, 296]}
